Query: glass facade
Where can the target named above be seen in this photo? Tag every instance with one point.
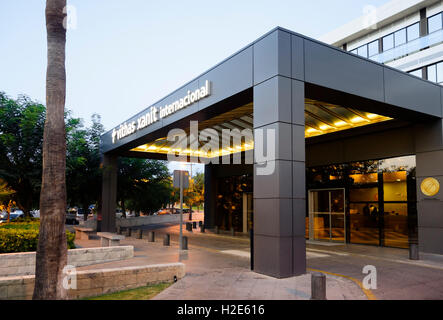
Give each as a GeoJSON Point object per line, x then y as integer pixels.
{"type": "Point", "coordinates": [435, 23]}
{"type": "Point", "coordinates": [234, 202]}
{"type": "Point", "coordinates": [404, 41]}
{"type": "Point", "coordinates": [434, 72]}
{"type": "Point", "coordinates": [379, 206]}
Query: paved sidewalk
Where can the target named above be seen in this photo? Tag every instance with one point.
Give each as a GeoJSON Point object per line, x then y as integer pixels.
{"type": "Point", "coordinates": [219, 269]}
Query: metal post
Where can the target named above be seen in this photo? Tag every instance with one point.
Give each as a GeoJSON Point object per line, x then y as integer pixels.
{"type": "Point", "coordinates": [166, 240]}
{"type": "Point", "coordinates": [318, 286]}
{"type": "Point", "coordinates": [413, 252]}
{"type": "Point", "coordinates": [185, 243]}
{"type": "Point", "coordinates": [251, 244]}
{"type": "Point", "coordinates": [180, 239]}
{"type": "Point", "coordinates": [151, 236]}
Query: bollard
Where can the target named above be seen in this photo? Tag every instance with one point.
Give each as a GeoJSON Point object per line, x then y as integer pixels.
{"type": "Point", "coordinates": [202, 228]}
{"type": "Point", "coordinates": [189, 226]}
{"type": "Point", "coordinates": [185, 243]}
{"type": "Point", "coordinates": [166, 240]}
{"type": "Point", "coordinates": [200, 223]}
{"type": "Point", "coordinates": [151, 236]}
{"type": "Point", "coordinates": [128, 232]}
{"type": "Point", "coordinates": [119, 230]}
{"type": "Point", "coordinates": [194, 225]}
{"type": "Point", "coordinates": [413, 252]}
{"type": "Point", "coordinates": [232, 232]}
{"type": "Point", "coordinates": [216, 230]}
{"type": "Point", "coordinates": [318, 286]}
{"type": "Point", "coordinates": [139, 234]}
{"type": "Point", "coordinates": [251, 244]}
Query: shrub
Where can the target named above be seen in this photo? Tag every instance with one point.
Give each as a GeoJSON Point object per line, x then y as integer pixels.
{"type": "Point", "coordinates": [23, 237]}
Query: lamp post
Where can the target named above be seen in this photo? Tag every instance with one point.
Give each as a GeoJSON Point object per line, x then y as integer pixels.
{"type": "Point", "coordinates": [181, 180]}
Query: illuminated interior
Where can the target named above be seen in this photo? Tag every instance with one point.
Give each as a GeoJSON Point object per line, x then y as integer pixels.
{"type": "Point", "coordinates": [320, 118]}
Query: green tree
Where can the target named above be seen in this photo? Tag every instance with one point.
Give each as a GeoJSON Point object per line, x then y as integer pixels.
{"type": "Point", "coordinates": [143, 185]}
{"type": "Point", "coordinates": [83, 173]}
{"type": "Point", "coordinates": [21, 136]}
{"type": "Point", "coordinates": [194, 195]}
{"type": "Point", "coordinates": [21, 139]}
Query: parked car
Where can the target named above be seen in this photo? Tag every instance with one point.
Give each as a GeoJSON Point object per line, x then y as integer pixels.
{"type": "Point", "coordinates": [71, 217]}
{"type": "Point", "coordinates": [14, 215]}
{"type": "Point", "coordinates": [80, 212]}
{"type": "Point", "coordinates": [35, 213]}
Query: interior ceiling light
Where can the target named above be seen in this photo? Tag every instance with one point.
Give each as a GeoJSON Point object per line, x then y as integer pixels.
{"type": "Point", "coordinates": [321, 118]}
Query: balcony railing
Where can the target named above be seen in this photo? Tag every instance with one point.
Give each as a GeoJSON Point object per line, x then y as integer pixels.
{"type": "Point", "coordinates": [409, 48]}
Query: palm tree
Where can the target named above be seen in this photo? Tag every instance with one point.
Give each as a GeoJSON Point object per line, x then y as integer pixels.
{"type": "Point", "coordinates": [52, 248]}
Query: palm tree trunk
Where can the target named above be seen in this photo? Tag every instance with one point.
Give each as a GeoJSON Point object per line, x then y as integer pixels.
{"type": "Point", "coordinates": [52, 248]}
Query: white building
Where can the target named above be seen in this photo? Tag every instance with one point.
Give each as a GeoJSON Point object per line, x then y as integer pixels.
{"type": "Point", "coordinates": [404, 34]}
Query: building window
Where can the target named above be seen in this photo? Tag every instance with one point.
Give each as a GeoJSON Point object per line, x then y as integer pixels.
{"type": "Point", "coordinates": [440, 72]}
{"type": "Point", "coordinates": [363, 51]}
{"type": "Point", "coordinates": [388, 42]}
{"type": "Point", "coordinates": [413, 32]}
{"type": "Point", "coordinates": [373, 48]}
{"type": "Point", "coordinates": [400, 37]}
{"type": "Point", "coordinates": [435, 72]}
{"type": "Point", "coordinates": [435, 23]}
{"type": "Point", "coordinates": [380, 207]}
{"type": "Point", "coordinates": [417, 73]}
{"type": "Point", "coordinates": [432, 73]}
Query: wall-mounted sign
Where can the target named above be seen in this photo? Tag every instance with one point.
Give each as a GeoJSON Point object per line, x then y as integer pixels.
{"type": "Point", "coordinates": [156, 113]}
{"type": "Point", "coordinates": [430, 187]}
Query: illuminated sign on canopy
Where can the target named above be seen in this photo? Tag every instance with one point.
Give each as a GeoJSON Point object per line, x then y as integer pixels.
{"type": "Point", "coordinates": [155, 113]}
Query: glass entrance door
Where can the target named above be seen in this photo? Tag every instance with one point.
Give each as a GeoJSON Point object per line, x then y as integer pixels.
{"type": "Point", "coordinates": [327, 215]}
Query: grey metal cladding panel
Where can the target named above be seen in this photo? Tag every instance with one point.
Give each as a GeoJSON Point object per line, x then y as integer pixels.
{"type": "Point", "coordinates": [273, 217]}
{"type": "Point", "coordinates": [298, 217]}
{"type": "Point", "coordinates": [379, 145]}
{"type": "Point", "coordinates": [430, 213]}
{"type": "Point", "coordinates": [408, 92]}
{"type": "Point", "coordinates": [228, 78]}
{"type": "Point", "coordinates": [428, 136]}
{"type": "Point", "coordinates": [272, 101]}
{"type": "Point", "coordinates": [430, 240]}
{"type": "Point", "coordinates": [441, 100]}
{"type": "Point", "coordinates": [177, 96]}
{"type": "Point", "coordinates": [324, 154]}
{"type": "Point", "coordinates": [276, 185]}
{"type": "Point", "coordinates": [107, 144]}
{"type": "Point", "coordinates": [272, 255]}
{"type": "Point", "coordinates": [335, 69]}
{"type": "Point", "coordinates": [429, 164]}
{"type": "Point", "coordinates": [272, 56]}
{"type": "Point", "coordinates": [298, 58]}
{"type": "Point", "coordinates": [282, 146]}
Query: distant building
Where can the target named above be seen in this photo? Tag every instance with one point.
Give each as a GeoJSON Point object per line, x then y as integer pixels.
{"type": "Point", "coordinates": [404, 34]}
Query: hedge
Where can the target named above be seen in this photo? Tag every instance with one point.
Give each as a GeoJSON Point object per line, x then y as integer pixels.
{"type": "Point", "coordinates": [22, 236]}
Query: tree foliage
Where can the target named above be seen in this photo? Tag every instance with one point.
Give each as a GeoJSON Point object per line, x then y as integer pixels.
{"type": "Point", "coordinates": [143, 185]}
{"type": "Point", "coordinates": [83, 173]}
{"type": "Point", "coordinates": [194, 195]}
{"type": "Point", "coordinates": [21, 137]}
{"type": "Point", "coordinates": [21, 140]}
